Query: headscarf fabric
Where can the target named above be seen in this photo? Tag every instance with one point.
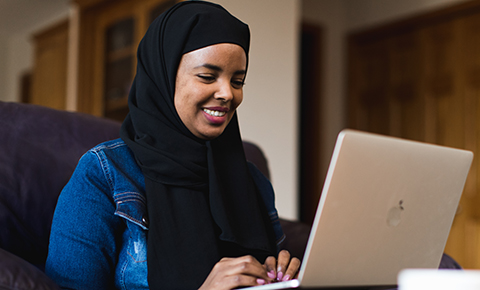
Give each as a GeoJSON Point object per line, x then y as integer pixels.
{"type": "Point", "coordinates": [201, 199]}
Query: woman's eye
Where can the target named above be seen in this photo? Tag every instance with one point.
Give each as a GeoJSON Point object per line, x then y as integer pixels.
{"type": "Point", "coordinates": [207, 78]}
{"type": "Point", "coordinates": [238, 84]}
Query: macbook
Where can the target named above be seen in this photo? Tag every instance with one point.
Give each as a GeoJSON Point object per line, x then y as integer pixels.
{"type": "Point", "coordinates": [387, 204]}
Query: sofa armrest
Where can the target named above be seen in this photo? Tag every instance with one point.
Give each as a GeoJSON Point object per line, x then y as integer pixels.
{"type": "Point", "coordinates": [16, 273]}
{"type": "Point", "coordinates": [296, 237]}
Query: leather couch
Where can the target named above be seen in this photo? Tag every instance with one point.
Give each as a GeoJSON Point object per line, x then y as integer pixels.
{"type": "Point", "coordinates": [39, 150]}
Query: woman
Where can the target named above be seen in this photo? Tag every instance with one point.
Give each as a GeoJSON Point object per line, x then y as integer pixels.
{"type": "Point", "coordinates": [177, 176]}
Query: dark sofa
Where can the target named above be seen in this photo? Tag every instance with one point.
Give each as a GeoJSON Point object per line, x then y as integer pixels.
{"type": "Point", "coordinates": [39, 150]}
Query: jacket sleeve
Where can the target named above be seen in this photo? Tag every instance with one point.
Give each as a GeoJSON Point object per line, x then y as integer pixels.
{"type": "Point", "coordinates": [85, 232]}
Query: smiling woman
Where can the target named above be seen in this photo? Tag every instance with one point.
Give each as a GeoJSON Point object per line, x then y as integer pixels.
{"type": "Point", "coordinates": [174, 204]}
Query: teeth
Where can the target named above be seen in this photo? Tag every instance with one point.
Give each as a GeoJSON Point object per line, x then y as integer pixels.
{"type": "Point", "coordinates": [214, 113]}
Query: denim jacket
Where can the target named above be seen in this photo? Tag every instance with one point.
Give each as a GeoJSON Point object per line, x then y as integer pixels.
{"type": "Point", "coordinates": [98, 236]}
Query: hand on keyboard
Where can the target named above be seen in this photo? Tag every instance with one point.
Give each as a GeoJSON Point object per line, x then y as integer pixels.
{"type": "Point", "coordinates": [283, 269]}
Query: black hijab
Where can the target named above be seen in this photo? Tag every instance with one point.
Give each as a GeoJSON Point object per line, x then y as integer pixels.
{"type": "Point", "coordinates": [202, 202]}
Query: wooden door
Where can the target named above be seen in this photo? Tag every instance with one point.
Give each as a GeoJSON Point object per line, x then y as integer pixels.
{"type": "Point", "coordinates": [310, 119]}
{"type": "Point", "coordinates": [420, 79]}
{"type": "Point", "coordinates": [50, 67]}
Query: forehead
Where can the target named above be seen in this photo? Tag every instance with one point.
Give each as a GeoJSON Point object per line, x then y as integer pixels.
{"type": "Point", "coordinates": [224, 55]}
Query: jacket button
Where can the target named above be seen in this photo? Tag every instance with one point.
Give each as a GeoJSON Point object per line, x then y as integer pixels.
{"type": "Point", "coordinates": [145, 220]}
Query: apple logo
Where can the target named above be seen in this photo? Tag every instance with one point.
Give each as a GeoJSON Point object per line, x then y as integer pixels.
{"type": "Point", "coordinates": [394, 215]}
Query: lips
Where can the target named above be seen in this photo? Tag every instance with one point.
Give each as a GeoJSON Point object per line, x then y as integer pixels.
{"type": "Point", "coordinates": [216, 115]}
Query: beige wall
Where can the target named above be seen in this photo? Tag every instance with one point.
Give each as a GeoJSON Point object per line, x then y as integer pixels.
{"type": "Point", "coordinates": [18, 62]}
{"type": "Point", "coordinates": [268, 115]}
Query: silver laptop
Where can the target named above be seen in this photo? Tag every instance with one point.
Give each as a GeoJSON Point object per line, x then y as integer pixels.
{"type": "Point", "coordinates": [387, 204]}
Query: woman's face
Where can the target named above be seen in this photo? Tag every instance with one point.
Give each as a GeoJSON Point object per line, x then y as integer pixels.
{"type": "Point", "coordinates": [209, 87]}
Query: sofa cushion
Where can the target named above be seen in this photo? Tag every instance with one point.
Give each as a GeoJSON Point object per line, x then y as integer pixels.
{"type": "Point", "coordinates": [39, 150]}
{"type": "Point", "coordinates": [18, 274]}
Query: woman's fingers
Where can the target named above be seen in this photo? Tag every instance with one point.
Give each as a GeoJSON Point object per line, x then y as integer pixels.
{"type": "Point", "coordinates": [235, 281]}
{"type": "Point", "coordinates": [292, 270]}
{"type": "Point", "coordinates": [232, 273]}
{"type": "Point", "coordinates": [286, 267]}
{"type": "Point", "coordinates": [282, 264]}
{"type": "Point", "coordinates": [246, 265]}
{"type": "Point", "coordinates": [271, 267]}
{"type": "Point", "coordinates": [231, 282]}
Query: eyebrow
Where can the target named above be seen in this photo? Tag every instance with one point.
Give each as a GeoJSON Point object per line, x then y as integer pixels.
{"type": "Point", "coordinates": [219, 69]}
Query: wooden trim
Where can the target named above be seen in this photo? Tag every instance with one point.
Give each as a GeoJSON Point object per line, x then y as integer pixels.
{"type": "Point", "coordinates": [86, 63]}
{"type": "Point", "coordinates": [26, 87]}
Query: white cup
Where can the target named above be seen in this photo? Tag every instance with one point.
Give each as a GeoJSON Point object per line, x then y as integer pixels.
{"type": "Point", "coordinates": [443, 279]}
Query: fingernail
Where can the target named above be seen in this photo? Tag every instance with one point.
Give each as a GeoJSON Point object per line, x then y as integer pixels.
{"type": "Point", "coordinates": [286, 278]}
{"type": "Point", "coordinates": [271, 274]}
{"type": "Point", "coordinates": [280, 276]}
{"type": "Point", "coordinates": [260, 281]}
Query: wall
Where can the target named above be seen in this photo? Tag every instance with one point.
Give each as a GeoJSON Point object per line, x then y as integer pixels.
{"type": "Point", "coordinates": [268, 114]}
{"type": "Point", "coordinates": [18, 56]}
{"type": "Point", "coordinates": [19, 61]}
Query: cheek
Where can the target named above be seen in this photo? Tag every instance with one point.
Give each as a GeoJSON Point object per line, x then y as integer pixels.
{"type": "Point", "coordinates": [182, 98]}
{"type": "Point", "coordinates": [177, 97]}
{"type": "Point", "coordinates": [182, 106]}
{"type": "Point", "coordinates": [177, 101]}
{"type": "Point", "coordinates": [238, 99]}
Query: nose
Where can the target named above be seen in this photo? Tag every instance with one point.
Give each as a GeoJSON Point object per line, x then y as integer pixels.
{"type": "Point", "coordinates": [224, 92]}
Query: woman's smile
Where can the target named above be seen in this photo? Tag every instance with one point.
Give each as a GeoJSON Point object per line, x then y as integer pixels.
{"type": "Point", "coordinates": [216, 115]}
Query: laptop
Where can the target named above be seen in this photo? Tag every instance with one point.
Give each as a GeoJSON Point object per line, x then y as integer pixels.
{"type": "Point", "coordinates": [387, 204]}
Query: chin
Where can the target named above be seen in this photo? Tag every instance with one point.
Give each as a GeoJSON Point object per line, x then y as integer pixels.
{"type": "Point", "coordinates": [211, 135]}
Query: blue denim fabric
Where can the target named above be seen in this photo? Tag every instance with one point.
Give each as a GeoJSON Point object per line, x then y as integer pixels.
{"type": "Point", "coordinates": [98, 237]}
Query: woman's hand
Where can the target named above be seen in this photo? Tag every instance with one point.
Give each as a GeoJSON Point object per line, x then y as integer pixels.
{"type": "Point", "coordinates": [283, 269]}
{"type": "Point", "coordinates": [231, 273]}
